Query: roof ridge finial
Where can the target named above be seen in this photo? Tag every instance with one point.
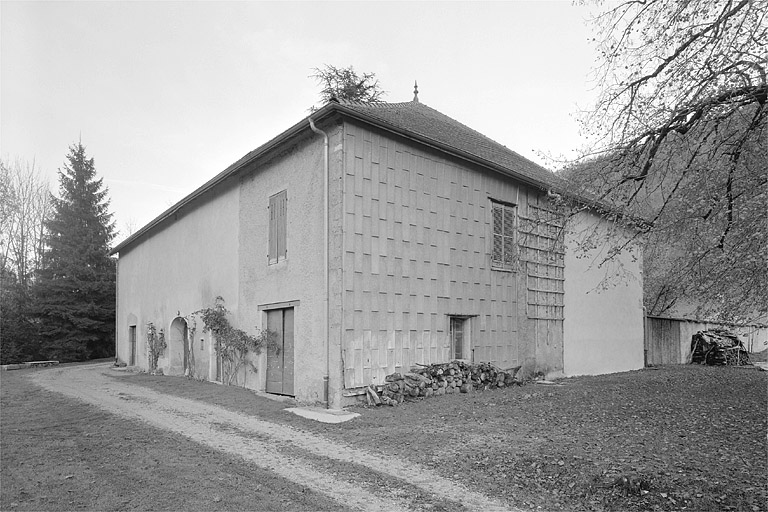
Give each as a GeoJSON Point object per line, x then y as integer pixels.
{"type": "Point", "coordinates": [415, 92]}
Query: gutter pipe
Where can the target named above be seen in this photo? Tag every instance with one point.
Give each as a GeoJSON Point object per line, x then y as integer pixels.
{"type": "Point", "coordinates": [325, 261]}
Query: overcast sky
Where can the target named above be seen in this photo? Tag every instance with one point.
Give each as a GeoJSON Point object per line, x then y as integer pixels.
{"type": "Point", "coordinates": [164, 95]}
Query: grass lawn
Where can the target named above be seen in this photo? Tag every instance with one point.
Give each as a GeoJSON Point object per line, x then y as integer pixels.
{"type": "Point", "coordinates": [695, 437]}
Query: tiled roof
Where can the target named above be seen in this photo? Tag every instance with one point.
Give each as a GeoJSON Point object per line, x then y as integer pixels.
{"type": "Point", "coordinates": [414, 118]}
{"type": "Point", "coordinates": [411, 119]}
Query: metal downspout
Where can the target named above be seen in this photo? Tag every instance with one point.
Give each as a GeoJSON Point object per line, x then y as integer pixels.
{"type": "Point", "coordinates": [117, 310]}
{"type": "Point", "coordinates": [325, 261]}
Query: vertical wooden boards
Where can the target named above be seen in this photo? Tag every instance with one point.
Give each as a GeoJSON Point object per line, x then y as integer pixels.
{"type": "Point", "coordinates": [662, 342]}
{"type": "Point", "coordinates": [280, 359]}
{"type": "Point", "coordinates": [274, 355]}
{"type": "Point", "coordinates": [278, 205]}
{"type": "Point", "coordinates": [543, 256]}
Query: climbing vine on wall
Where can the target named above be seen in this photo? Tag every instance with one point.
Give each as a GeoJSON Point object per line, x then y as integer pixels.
{"type": "Point", "coordinates": [155, 345]}
{"type": "Point", "coordinates": [190, 341]}
{"type": "Point", "coordinates": [232, 344]}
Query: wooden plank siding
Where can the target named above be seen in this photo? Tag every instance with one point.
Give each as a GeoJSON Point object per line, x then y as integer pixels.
{"type": "Point", "coordinates": [668, 340]}
{"type": "Point", "coordinates": [662, 341]}
{"type": "Point", "coordinates": [416, 249]}
{"type": "Point", "coordinates": [543, 254]}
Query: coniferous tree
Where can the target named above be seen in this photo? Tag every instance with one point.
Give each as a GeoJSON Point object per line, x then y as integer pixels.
{"type": "Point", "coordinates": [347, 84]}
{"type": "Point", "coordinates": [75, 290]}
{"type": "Point", "coordinates": [18, 334]}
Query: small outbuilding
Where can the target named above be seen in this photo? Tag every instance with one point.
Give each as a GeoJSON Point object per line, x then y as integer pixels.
{"type": "Point", "coordinates": [369, 238]}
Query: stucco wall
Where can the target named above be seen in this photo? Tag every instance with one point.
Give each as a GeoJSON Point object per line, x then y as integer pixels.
{"type": "Point", "coordinates": [177, 270]}
{"type": "Point", "coordinates": [603, 326]}
{"type": "Point", "coordinates": [300, 277]}
{"type": "Point", "coordinates": [218, 247]}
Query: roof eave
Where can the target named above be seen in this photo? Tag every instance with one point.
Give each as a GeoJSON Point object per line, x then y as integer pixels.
{"type": "Point", "coordinates": [446, 148]}
{"type": "Point", "coordinates": [303, 125]}
{"type": "Point", "coordinates": [227, 173]}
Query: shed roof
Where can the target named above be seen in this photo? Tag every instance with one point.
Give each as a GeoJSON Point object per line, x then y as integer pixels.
{"type": "Point", "coordinates": [412, 119]}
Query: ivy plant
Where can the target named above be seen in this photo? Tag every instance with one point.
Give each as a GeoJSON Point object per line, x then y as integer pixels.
{"type": "Point", "coordinates": [156, 345]}
{"type": "Point", "coordinates": [232, 344]}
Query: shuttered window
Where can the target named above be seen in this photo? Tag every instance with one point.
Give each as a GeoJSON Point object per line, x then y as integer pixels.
{"type": "Point", "coordinates": [278, 209]}
{"type": "Point", "coordinates": [504, 253]}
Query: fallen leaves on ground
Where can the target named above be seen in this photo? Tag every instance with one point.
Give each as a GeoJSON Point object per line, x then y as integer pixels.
{"type": "Point", "coordinates": [675, 438]}
{"type": "Point", "coordinates": [683, 437]}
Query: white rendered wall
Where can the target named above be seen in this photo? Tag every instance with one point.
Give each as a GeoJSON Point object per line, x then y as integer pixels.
{"type": "Point", "coordinates": [178, 270]}
{"type": "Point", "coordinates": [603, 327]}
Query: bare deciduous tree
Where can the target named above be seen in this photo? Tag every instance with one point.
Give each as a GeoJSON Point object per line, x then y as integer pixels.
{"type": "Point", "coordinates": [25, 205]}
{"type": "Point", "coordinates": [678, 137]}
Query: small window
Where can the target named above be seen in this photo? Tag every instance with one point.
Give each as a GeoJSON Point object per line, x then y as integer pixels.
{"type": "Point", "coordinates": [460, 343]}
{"type": "Point", "coordinates": [504, 252]}
{"type": "Point", "coordinates": [278, 209]}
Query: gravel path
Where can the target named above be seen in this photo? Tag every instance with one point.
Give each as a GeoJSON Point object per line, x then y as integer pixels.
{"type": "Point", "coordinates": [276, 447]}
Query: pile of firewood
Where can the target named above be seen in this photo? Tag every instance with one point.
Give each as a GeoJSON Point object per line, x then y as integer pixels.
{"type": "Point", "coordinates": [718, 347]}
{"type": "Point", "coordinates": [439, 379]}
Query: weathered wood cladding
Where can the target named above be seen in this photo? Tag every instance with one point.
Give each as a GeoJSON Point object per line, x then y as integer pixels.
{"type": "Point", "coordinates": [542, 252]}
{"type": "Point", "coordinates": [662, 341]}
{"type": "Point", "coordinates": [416, 249]}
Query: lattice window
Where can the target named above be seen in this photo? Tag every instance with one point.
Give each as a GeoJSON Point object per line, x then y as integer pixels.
{"type": "Point", "coordinates": [504, 255]}
{"type": "Point", "coordinates": [543, 252]}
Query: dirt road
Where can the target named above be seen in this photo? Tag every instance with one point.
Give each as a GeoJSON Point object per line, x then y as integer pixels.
{"type": "Point", "coordinates": [349, 475]}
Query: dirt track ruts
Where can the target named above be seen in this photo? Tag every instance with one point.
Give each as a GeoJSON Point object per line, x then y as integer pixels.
{"type": "Point", "coordinates": [261, 442]}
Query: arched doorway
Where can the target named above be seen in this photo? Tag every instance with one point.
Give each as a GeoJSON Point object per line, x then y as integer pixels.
{"type": "Point", "coordinates": [178, 347]}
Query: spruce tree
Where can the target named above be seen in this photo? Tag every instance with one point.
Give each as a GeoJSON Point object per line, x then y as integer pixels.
{"type": "Point", "coordinates": [75, 289]}
{"type": "Point", "coordinates": [18, 335]}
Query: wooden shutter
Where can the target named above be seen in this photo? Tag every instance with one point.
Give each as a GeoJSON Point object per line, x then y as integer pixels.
{"type": "Point", "coordinates": [503, 252]}
{"type": "Point", "coordinates": [509, 237]}
{"type": "Point", "coordinates": [497, 259]}
{"type": "Point", "coordinates": [278, 209]}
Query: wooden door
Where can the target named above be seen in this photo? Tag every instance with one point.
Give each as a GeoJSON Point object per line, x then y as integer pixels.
{"type": "Point", "coordinates": [457, 338]}
{"type": "Point", "coordinates": [132, 343]}
{"type": "Point", "coordinates": [217, 353]}
{"type": "Point", "coordinates": [185, 341]}
{"type": "Point", "coordinates": [280, 358]}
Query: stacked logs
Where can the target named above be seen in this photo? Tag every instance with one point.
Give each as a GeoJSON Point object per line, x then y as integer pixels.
{"type": "Point", "coordinates": [439, 379]}
{"type": "Point", "coordinates": [718, 347]}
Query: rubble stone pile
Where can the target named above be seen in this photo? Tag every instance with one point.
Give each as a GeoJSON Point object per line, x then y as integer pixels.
{"type": "Point", "coordinates": [440, 379]}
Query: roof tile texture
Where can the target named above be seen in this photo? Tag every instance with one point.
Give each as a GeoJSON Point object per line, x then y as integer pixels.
{"type": "Point", "coordinates": [423, 121]}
